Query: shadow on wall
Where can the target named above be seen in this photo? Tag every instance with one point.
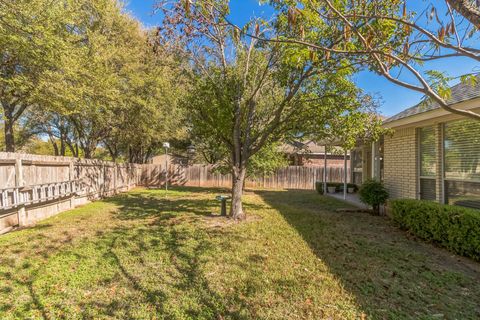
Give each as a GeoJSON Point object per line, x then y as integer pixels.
{"type": "Point", "coordinates": [391, 275]}
{"type": "Point", "coordinates": [99, 179]}
{"type": "Point", "coordinates": [155, 176]}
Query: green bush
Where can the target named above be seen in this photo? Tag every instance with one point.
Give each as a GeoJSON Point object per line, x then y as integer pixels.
{"type": "Point", "coordinates": [336, 185]}
{"type": "Point", "coordinates": [455, 228]}
{"type": "Point", "coordinates": [372, 192]}
{"type": "Point", "coordinates": [319, 187]}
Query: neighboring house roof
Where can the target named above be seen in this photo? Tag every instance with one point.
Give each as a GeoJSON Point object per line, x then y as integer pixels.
{"type": "Point", "coordinates": [175, 158]}
{"type": "Point", "coordinates": [459, 93]}
{"type": "Point", "coordinates": [307, 147]}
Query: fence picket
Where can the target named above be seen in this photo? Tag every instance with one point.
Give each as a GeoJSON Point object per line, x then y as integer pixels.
{"type": "Point", "coordinates": [292, 177]}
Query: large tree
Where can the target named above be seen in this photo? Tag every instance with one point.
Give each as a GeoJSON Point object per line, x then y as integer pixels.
{"type": "Point", "coordinates": [35, 41]}
{"type": "Point", "coordinates": [389, 38]}
{"type": "Point", "coordinates": [103, 80]}
{"type": "Point", "coordinates": [249, 94]}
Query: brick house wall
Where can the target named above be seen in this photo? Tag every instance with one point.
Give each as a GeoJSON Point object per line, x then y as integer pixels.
{"type": "Point", "coordinates": [400, 164]}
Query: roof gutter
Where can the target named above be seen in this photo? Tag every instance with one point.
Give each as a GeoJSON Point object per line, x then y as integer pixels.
{"type": "Point", "coordinates": [434, 116]}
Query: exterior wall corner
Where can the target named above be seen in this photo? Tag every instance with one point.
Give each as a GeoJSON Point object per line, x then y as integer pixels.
{"type": "Point", "coordinates": [400, 164]}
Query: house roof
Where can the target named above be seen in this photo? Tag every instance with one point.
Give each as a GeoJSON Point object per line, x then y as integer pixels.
{"type": "Point", "coordinates": [459, 93]}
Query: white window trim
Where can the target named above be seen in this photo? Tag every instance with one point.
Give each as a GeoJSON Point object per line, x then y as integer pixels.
{"type": "Point", "coordinates": [419, 164]}
{"type": "Point", "coordinates": [441, 154]}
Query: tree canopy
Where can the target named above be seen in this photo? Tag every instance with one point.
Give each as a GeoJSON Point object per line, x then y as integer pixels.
{"type": "Point", "coordinates": [86, 75]}
{"type": "Point", "coordinates": [249, 94]}
{"type": "Point", "coordinates": [389, 38]}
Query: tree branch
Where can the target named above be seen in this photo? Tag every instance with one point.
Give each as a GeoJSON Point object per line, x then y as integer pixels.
{"type": "Point", "coordinates": [468, 9]}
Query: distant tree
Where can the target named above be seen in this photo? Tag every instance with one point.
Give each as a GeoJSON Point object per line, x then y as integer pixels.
{"type": "Point", "coordinates": [38, 146]}
{"type": "Point", "coordinates": [105, 84]}
{"type": "Point", "coordinates": [363, 125]}
{"type": "Point", "coordinates": [267, 160]}
{"type": "Point", "coordinates": [34, 42]}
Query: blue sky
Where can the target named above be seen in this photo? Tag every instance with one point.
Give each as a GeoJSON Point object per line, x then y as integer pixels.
{"type": "Point", "coordinates": [394, 98]}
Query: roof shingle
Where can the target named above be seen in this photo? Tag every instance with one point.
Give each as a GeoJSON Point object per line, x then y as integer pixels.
{"type": "Point", "coordinates": [460, 92]}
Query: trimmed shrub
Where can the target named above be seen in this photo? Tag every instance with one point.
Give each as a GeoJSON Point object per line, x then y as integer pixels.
{"type": "Point", "coordinates": [372, 192]}
{"type": "Point", "coordinates": [453, 227]}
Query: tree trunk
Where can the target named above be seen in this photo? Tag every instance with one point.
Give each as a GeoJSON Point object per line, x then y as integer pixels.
{"type": "Point", "coordinates": [112, 151]}
{"type": "Point", "coordinates": [9, 134]}
{"type": "Point", "coordinates": [89, 149]}
{"type": "Point", "coordinates": [236, 210]}
{"type": "Point", "coordinates": [54, 145]}
{"type": "Point", "coordinates": [87, 153]}
{"type": "Point", "coordinates": [63, 148]}
{"type": "Point", "coordinates": [72, 148]}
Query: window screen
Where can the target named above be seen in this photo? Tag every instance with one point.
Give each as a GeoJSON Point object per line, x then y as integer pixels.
{"type": "Point", "coordinates": [462, 163]}
{"type": "Point", "coordinates": [462, 193]}
{"type": "Point", "coordinates": [428, 189]}
{"type": "Point", "coordinates": [428, 152]}
{"type": "Point", "coordinates": [428, 163]}
{"type": "Point", "coordinates": [462, 150]}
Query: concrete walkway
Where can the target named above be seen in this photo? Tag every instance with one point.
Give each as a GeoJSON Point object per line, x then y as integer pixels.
{"type": "Point", "coordinates": [352, 198]}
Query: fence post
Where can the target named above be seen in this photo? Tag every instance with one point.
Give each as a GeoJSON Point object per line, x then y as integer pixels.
{"type": "Point", "coordinates": [19, 183]}
{"type": "Point", "coordinates": [115, 178]}
{"type": "Point", "coordinates": [129, 171]}
{"type": "Point", "coordinates": [102, 193]}
{"type": "Point", "coordinates": [71, 178]}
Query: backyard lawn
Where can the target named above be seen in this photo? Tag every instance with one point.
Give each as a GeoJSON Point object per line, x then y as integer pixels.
{"type": "Point", "coordinates": [155, 255]}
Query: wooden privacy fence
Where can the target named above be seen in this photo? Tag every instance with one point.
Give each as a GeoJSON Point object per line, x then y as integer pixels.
{"type": "Point", "coordinates": [36, 187]}
{"type": "Point", "coordinates": [293, 177]}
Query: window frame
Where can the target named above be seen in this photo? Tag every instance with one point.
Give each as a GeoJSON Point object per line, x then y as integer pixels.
{"type": "Point", "coordinates": [419, 164]}
{"type": "Point", "coordinates": [445, 179]}
{"type": "Point", "coordinates": [444, 172]}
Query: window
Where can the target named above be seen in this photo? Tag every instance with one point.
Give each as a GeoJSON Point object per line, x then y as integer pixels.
{"type": "Point", "coordinates": [378, 159]}
{"type": "Point", "coordinates": [428, 163]}
{"type": "Point", "coordinates": [462, 163]}
{"type": "Point", "coordinates": [357, 165]}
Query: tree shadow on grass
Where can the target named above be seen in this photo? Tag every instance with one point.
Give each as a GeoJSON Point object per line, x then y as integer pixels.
{"type": "Point", "coordinates": [162, 205]}
{"type": "Point", "coordinates": [174, 231]}
{"type": "Point", "coordinates": [391, 275]}
{"type": "Point", "coordinates": [19, 268]}
{"type": "Point", "coordinates": [146, 227]}
{"type": "Point", "coordinates": [138, 206]}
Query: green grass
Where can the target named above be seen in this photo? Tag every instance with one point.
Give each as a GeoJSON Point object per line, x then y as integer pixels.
{"type": "Point", "coordinates": [151, 255]}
